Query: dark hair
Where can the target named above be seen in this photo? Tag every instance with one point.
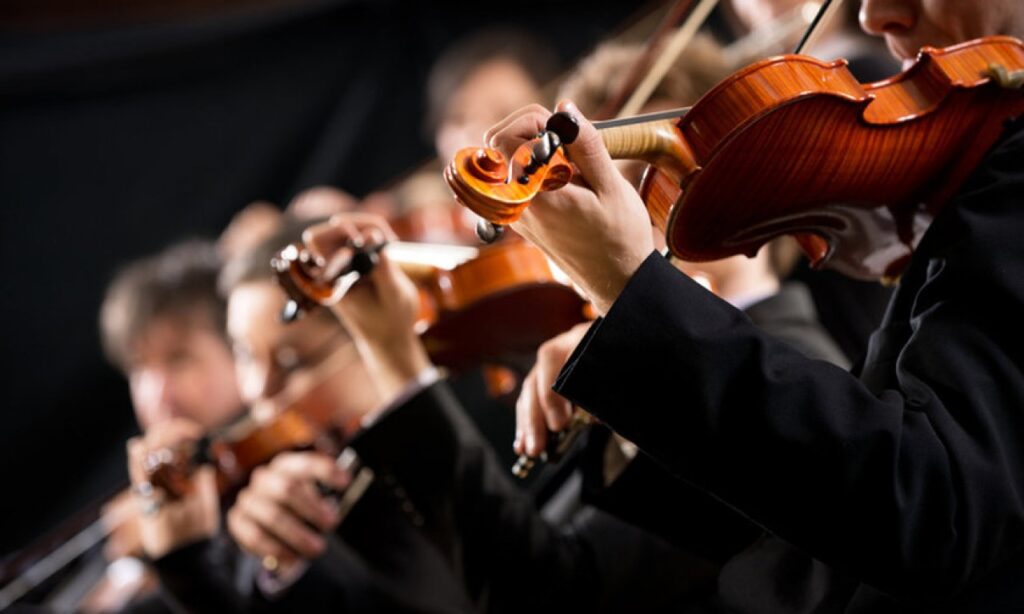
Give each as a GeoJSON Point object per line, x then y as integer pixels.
{"type": "Point", "coordinates": [179, 282]}
{"type": "Point", "coordinates": [254, 264]}
{"type": "Point", "coordinates": [537, 59]}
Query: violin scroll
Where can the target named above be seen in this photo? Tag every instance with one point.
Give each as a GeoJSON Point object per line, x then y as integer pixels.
{"type": "Point", "coordinates": [303, 280]}
{"type": "Point", "coordinates": [497, 189]}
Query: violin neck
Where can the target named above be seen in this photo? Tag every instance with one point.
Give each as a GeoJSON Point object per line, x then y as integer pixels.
{"type": "Point", "coordinates": [422, 259]}
{"type": "Point", "coordinates": [658, 142]}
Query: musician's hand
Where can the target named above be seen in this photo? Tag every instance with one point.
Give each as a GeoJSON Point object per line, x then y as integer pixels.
{"type": "Point", "coordinates": [281, 514]}
{"type": "Point", "coordinates": [166, 524]}
{"type": "Point", "coordinates": [121, 517]}
{"type": "Point", "coordinates": [540, 409]}
{"type": "Point", "coordinates": [379, 311]}
{"type": "Point", "coordinates": [596, 229]}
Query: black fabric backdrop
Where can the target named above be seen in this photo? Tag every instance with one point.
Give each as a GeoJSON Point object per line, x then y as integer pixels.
{"type": "Point", "coordinates": [114, 143]}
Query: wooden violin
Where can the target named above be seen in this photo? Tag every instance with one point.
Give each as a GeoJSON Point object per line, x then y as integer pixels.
{"type": "Point", "coordinates": [853, 171]}
{"type": "Point", "coordinates": [237, 450]}
{"type": "Point", "coordinates": [476, 305]}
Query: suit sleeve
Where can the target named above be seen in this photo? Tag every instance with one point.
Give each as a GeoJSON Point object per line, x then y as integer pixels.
{"type": "Point", "coordinates": [913, 484]}
{"type": "Point", "coordinates": [198, 577]}
{"type": "Point", "coordinates": [487, 527]}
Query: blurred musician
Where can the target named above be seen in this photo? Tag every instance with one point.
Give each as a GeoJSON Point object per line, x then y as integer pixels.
{"type": "Point", "coordinates": [480, 79]}
{"type": "Point", "coordinates": [162, 324]}
{"type": "Point", "coordinates": [310, 559]}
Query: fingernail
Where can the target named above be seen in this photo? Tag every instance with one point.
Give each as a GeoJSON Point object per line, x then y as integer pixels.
{"type": "Point", "coordinates": [531, 445]}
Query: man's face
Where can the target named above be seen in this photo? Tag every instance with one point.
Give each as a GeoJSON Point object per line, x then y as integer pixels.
{"type": "Point", "coordinates": [490, 93]}
{"type": "Point", "coordinates": [181, 368]}
{"type": "Point", "coordinates": [909, 25]}
{"type": "Point", "coordinates": [279, 363]}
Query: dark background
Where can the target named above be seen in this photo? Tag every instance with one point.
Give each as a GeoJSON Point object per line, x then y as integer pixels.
{"type": "Point", "coordinates": [127, 126]}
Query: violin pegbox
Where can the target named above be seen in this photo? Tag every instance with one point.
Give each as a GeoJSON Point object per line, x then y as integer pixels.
{"type": "Point", "coordinates": [498, 190]}
{"type": "Point", "coordinates": [293, 271]}
{"type": "Point", "coordinates": [304, 283]}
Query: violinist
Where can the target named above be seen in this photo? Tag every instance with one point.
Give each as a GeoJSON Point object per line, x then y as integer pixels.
{"type": "Point", "coordinates": [480, 79]}
{"type": "Point", "coordinates": [162, 323]}
{"type": "Point", "coordinates": [615, 478]}
{"type": "Point", "coordinates": [488, 528]}
{"type": "Point", "coordinates": [904, 479]}
{"type": "Point", "coordinates": [309, 556]}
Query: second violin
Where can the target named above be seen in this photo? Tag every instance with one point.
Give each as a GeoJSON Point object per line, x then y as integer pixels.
{"type": "Point", "coordinates": [494, 304]}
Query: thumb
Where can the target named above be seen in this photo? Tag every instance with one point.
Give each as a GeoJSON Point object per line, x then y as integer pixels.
{"type": "Point", "coordinates": [589, 154]}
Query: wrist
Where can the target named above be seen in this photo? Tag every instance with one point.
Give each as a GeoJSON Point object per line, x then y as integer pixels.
{"type": "Point", "coordinates": [394, 363]}
{"type": "Point", "coordinates": [615, 283]}
{"type": "Point", "coordinates": [161, 535]}
{"type": "Point", "coordinates": [165, 525]}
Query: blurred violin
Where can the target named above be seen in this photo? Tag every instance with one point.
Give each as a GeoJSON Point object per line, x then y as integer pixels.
{"type": "Point", "coordinates": [477, 305]}
{"type": "Point", "coordinates": [235, 451]}
{"type": "Point", "coordinates": [853, 171]}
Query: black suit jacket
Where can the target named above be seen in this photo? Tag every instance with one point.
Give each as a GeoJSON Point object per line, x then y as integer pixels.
{"type": "Point", "coordinates": [509, 557]}
{"type": "Point", "coordinates": [908, 479]}
{"type": "Point", "coordinates": [649, 496]}
{"type": "Point", "coordinates": [378, 560]}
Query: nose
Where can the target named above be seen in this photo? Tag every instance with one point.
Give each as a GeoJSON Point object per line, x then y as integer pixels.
{"type": "Point", "coordinates": [880, 17]}
{"type": "Point", "coordinates": [152, 397]}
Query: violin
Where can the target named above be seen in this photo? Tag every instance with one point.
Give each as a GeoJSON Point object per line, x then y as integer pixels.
{"type": "Point", "coordinates": [245, 445]}
{"type": "Point", "coordinates": [853, 171]}
{"type": "Point", "coordinates": [482, 305]}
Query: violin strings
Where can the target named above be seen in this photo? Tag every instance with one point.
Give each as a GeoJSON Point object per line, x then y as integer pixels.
{"type": "Point", "coordinates": [640, 119]}
{"type": "Point", "coordinates": [818, 19]}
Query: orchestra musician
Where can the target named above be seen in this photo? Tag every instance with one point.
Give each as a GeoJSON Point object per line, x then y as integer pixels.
{"type": "Point", "coordinates": [615, 477]}
{"type": "Point", "coordinates": [162, 324]}
{"type": "Point", "coordinates": [902, 480]}
{"type": "Point", "coordinates": [480, 79]}
{"type": "Point", "coordinates": [374, 561]}
{"type": "Point", "coordinates": [487, 526]}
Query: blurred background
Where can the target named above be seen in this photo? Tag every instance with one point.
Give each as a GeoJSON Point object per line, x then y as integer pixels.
{"type": "Point", "coordinates": [127, 125]}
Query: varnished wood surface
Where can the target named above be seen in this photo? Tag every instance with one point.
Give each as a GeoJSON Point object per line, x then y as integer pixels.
{"type": "Point", "coordinates": [792, 145]}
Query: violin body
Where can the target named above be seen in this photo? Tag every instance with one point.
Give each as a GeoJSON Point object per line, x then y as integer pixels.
{"type": "Point", "coordinates": [794, 145]}
{"type": "Point", "coordinates": [242, 447]}
{"type": "Point", "coordinates": [494, 307]}
{"type": "Point", "coordinates": [504, 303]}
